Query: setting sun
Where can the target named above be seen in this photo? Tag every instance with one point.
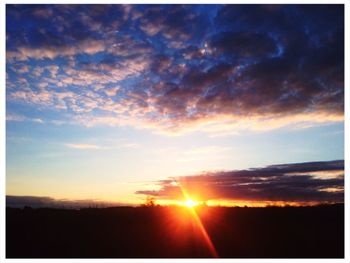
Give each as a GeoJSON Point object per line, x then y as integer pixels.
{"type": "Point", "coordinates": [190, 203]}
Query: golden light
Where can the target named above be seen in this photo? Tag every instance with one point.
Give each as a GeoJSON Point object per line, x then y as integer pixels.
{"type": "Point", "coordinates": [190, 203]}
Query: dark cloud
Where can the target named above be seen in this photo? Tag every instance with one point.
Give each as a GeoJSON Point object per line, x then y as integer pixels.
{"type": "Point", "coordinates": [298, 182]}
{"type": "Point", "coordinates": [48, 202]}
{"type": "Point", "coordinates": [255, 17]}
{"type": "Point", "coordinates": [243, 44]}
{"type": "Point", "coordinates": [193, 52]}
{"type": "Point", "coordinates": [174, 22]}
{"type": "Point", "coordinates": [33, 34]}
{"type": "Point", "coordinates": [322, 18]}
{"type": "Point", "coordinates": [276, 60]}
{"type": "Point", "coordinates": [61, 26]}
{"type": "Point", "coordinates": [196, 78]}
{"type": "Point", "coordinates": [161, 64]}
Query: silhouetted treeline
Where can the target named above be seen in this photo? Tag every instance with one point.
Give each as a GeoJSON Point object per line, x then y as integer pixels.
{"type": "Point", "coordinates": [171, 232]}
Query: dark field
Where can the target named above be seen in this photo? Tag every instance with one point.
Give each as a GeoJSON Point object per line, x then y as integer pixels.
{"type": "Point", "coordinates": [171, 232]}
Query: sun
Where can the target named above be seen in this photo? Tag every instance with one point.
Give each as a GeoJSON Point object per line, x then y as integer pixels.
{"type": "Point", "coordinates": [190, 203]}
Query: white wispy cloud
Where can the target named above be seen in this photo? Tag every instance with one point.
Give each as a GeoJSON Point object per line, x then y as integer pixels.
{"type": "Point", "coordinates": [17, 117]}
{"type": "Point", "coordinates": [82, 146]}
{"type": "Point", "coordinates": [105, 145]}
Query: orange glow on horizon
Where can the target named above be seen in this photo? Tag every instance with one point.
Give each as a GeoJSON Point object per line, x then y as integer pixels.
{"type": "Point", "coordinates": [241, 203]}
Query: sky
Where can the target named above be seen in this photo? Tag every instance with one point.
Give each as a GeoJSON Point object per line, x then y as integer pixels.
{"type": "Point", "coordinates": [234, 103]}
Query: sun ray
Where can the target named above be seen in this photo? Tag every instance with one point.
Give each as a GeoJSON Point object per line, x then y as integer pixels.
{"type": "Point", "coordinates": [198, 222]}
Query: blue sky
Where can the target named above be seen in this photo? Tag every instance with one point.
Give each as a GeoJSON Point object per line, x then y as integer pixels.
{"type": "Point", "coordinates": [107, 101]}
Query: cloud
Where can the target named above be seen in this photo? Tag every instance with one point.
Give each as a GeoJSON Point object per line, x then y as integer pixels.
{"type": "Point", "coordinates": [15, 117]}
{"type": "Point", "coordinates": [110, 92]}
{"type": "Point", "coordinates": [179, 68]}
{"type": "Point", "coordinates": [43, 12]}
{"type": "Point", "coordinates": [89, 47]}
{"type": "Point", "coordinates": [175, 22]}
{"type": "Point", "coordinates": [37, 120]}
{"type": "Point", "coordinates": [297, 182]}
{"type": "Point", "coordinates": [49, 202]}
{"type": "Point", "coordinates": [109, 145]}
{"type": "Point", "coordinates": [20, 118]}
{"type": "Point", "coordinates": [243, 44]}
{"type": "Point", "coordinates": [22, 69]}
{"type": "Point", "coordinates": [82, 146]}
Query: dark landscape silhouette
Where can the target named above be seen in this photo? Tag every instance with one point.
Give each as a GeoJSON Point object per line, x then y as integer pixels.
{"type": "Point", "coordinates": [171, 232]}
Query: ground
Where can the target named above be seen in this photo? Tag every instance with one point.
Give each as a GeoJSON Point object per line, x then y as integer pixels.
{"type": "Point", "coordinates": [172, 232]}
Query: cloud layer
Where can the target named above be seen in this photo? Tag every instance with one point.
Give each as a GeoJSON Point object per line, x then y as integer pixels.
{"type": "Point", "coordinates": [298, 182]}
{"type": "Point", "coordinates": [49, 202]}
{"type": "Point", "coordinates": [178, 67]}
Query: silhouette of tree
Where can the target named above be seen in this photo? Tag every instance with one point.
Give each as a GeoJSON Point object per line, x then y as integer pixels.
{"type": "Point", "coordinates": [150, 201]}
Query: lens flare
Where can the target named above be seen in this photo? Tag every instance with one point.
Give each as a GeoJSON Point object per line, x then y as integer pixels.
{"type": "Point", "coordinates": [191, 205]}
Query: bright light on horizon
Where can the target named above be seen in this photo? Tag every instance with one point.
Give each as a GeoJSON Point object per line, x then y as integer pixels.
{"type": "Point", "coordinates": [190, 203]}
